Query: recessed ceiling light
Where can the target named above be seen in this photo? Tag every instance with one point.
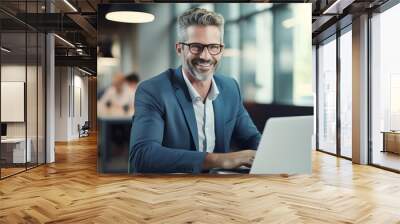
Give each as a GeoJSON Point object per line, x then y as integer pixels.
{"type": "Point", "coordinates": [5, 50]}
{"type": "Point", "coordinates": [130, 17]}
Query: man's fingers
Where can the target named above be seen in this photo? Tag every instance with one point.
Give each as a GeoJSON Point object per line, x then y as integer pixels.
{"type": "Point", "coordinates": [249, 161]}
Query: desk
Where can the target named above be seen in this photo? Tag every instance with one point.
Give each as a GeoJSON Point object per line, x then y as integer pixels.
{"type": "Point", "coordinates": [13, 150]}
{"type": "Point", "coordinates": [113, 144]}
{"type": "Point", "coordinates": [114, 112]}
{"type": "Point", "coordinates": [391, 141]}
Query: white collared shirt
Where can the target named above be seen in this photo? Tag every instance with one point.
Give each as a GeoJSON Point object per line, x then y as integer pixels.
{"type": "Point", "coordinates": [204, 113]}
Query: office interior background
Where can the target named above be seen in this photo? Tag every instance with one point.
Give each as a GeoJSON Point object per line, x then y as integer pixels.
{"type": "Point", "coordinates": [50, 73]}
{"type": "Point", "coordinates": [61, 47]}
{"type": "Point", "coordinates": [267, 51]}
{"type": "Point", "coordinates": [28, 56]}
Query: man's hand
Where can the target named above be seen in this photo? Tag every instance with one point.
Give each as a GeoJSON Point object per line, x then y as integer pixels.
{"type": "Point", "coordinates": [229, 160]}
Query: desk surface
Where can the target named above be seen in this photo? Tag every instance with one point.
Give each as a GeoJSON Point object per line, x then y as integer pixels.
{"type": "Point", "coordinates": [114, 112]}
{"type": "Point", "coordinates": [13, 140]}
{"type": "Point", "coordinates": [390, 132]}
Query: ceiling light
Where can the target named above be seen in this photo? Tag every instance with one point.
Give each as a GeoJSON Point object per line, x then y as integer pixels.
{"type": "Point", "coordinates": [130, 17]}
{"type": "Point", "coordinates": [129, 13]}
{"type": "Point", "coordinates": [65, 41]}
{"type": "Point", "coordinates": [5, 50]}
{"type": "Point", "coordinates": [70, 5]}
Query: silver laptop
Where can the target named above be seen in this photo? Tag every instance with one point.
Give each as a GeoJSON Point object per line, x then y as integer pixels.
{"type": "Point", "coordinates": [285, 147]}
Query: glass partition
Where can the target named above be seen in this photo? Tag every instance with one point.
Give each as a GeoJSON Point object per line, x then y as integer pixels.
{"type": "Point", "coordinates": [22, 79]}
{"type": "Point", "coordinates": [31, 98]}
{"type": "Point", "coordinates": [13, 105]}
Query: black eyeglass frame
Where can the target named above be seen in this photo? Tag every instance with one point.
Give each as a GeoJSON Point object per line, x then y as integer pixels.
{"type": "Point", "coordinates": [221, 47]}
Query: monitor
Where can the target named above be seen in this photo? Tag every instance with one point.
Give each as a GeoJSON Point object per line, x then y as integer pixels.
{"type": "Point", "coordinates": [3, 129]}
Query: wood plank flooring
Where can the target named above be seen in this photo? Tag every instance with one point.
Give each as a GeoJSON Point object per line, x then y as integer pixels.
{"type": "Point", "coordinates": [387, 159]}
{"type": "Point", "coordinates": [10, 171]}
{"type": "Point", "coordinates": [70, 191]}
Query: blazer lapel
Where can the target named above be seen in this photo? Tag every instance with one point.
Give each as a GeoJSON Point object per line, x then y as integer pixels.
{"type": "Point", "coordinates": [185, 102]}
{"type": "Point", "coordinates": [219, 120]}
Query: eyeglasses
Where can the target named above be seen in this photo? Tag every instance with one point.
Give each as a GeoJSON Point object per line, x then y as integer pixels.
{"type": "Point", "coordinates": [197, 48]}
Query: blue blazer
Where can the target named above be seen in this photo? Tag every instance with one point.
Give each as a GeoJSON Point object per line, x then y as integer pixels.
{"type": "Point", "coordinates": [164, 135]}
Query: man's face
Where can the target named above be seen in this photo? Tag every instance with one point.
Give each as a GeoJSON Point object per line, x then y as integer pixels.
{"type": "Point", "coordinates": [203, 65]}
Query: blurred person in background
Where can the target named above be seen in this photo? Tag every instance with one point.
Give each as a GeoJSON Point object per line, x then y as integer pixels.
{"type": "Point", "coordinates": [132, 80]}
{"type": "Point", "coordinates": [185, 118]}
{"type": "Point", "coordinates": [118, 99]}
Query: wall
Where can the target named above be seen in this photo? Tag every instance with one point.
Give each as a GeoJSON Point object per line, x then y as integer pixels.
{"type": "Point", "coordinates": [33, 127]}
{"type": "Point", "coordinates": [17, 72]}
{"type": "Point", "coordinates": [71, 87]}
{"type": "Point", "coordinates": [62, 113]}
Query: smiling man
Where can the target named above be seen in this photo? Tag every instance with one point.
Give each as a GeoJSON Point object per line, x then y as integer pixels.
{"type": "Point", "coordinates": [185, 118]}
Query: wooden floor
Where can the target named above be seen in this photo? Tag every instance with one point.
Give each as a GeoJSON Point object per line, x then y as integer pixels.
{"type": "Point", "coordinates": [387, 159]}
{"type": "Point", "coordinates": [5, 172]}
{"type": "Point", "coordinates": [70, 191]}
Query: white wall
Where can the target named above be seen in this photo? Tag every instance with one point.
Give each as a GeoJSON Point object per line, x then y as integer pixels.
{"type": "Point", "coordinates": [67, 114]}
{"type": "Point", "coordinates": [79, 117]}
{"type": "Point", "coordinates": [10, 73]}
{"type": "Point", "coordinates": [33, 126]}
{"type": "Point", "coordinates": [14, 72]}
{"type": "Point", "coordinates": [61, 103]}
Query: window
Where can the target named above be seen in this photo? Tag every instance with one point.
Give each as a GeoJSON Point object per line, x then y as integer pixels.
{"type": "Point", "coordinates": [302, 80]}
{"type": "Point", "coordinates": [385, 81]}
{"type": "Point", "coordinates": [346, 94]}
{"type": "Point", "coordinates": [267, 50]}
{"type": "Point", "coordinates": [327, 96]}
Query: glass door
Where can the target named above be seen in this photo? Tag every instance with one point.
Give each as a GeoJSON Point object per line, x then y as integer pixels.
{"type": "Point", "coordinates": [13, 103]}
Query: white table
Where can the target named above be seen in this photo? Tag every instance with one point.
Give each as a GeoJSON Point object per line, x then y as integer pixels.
{"type": "Point", "coordinates": [18, 145]}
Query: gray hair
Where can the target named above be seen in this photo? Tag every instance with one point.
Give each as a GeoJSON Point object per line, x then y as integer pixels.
{"type": "Point", "coordinates": [200, 17]}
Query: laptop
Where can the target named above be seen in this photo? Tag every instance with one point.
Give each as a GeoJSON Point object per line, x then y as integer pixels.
{"type": "Point", "coordinates": [285, 148]}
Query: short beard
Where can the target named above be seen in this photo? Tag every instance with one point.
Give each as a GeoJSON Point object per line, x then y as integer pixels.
{"type": "Point", "coordinates": [196, 75]}
{"type": "Point", "coordinates": [199, 76]}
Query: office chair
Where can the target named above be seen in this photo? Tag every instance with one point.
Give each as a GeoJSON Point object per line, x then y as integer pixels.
{"type": "Point", "coordinates": [84, 130]}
